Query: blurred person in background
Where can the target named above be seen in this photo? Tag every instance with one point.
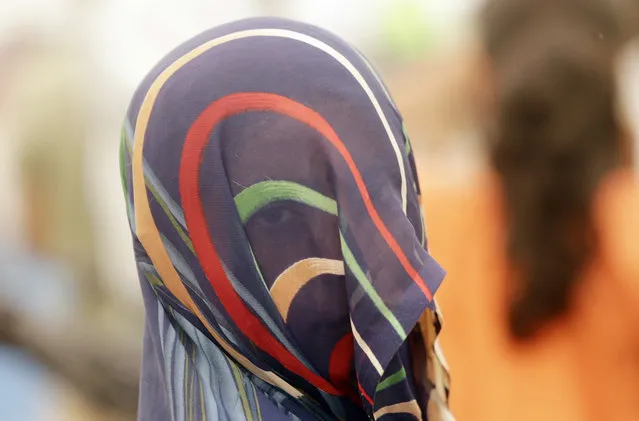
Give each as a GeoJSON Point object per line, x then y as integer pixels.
{"type": "Point", "coordinates": [53, 299]}
{"type": "Point", "coordinates": [274, 207]}
{"type": "Point", "coordinates": [49, 115]}
{"type": "Point", "coordinates": [542, 294]}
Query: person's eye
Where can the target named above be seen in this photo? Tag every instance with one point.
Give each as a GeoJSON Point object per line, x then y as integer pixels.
{"type": "Point", "coordinates": [274, 214]}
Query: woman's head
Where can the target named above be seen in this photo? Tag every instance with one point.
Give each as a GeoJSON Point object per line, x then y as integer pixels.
{"type": "Point", "coordinates": [273, 93]}
{"type": "Point", "coordinates": [274, 205]}
{"type": "Point", "coordinates": [556, 137]}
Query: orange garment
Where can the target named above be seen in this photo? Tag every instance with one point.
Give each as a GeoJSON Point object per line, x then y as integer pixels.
{"type": "Point", "coordinates": [584, 366]}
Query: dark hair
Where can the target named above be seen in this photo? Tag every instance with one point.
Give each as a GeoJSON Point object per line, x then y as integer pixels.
{"type": "Point", "coordinates": [556, 137]}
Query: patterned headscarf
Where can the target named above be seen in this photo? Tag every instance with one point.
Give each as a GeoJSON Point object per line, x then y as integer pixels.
{"type": "Point", "coordinates": [274, 206]}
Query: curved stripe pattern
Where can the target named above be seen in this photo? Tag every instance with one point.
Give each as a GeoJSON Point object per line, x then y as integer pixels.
{"type": "Point", "coordinates": [256, 326]}
{"type": "Point", "coordinates": [146, 228]}
{"type": "Point", "coordinates": [189, 181]}
{"type": "Point", "coordinates": [149, 236]}
{"type": "Point", "coordinates": [293, 279]}
{"type": "Point", "coordinates": [246, 102]}
{"type": "Point", "coordinates": [255, 197]}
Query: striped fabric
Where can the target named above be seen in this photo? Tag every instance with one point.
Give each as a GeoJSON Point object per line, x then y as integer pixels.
{"type": "Point", "coordinates": [274, 207]}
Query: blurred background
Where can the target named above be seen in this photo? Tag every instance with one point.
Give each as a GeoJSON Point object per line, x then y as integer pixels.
{"type": "Point", "coordinates": [70, 315]}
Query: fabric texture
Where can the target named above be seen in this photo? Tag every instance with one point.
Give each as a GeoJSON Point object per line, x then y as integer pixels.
{"type": "Point", "coordinates": [274, 206]}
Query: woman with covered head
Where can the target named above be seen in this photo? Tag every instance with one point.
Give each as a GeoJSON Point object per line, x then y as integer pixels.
{"type": "Point", "coordinates": [542, 291]}
{"type": "Point", "coordinates": [274, 205]}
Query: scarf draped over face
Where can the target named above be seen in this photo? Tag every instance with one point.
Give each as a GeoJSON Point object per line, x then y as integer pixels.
{"type": "Point", "coordinates": [274, 205]}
